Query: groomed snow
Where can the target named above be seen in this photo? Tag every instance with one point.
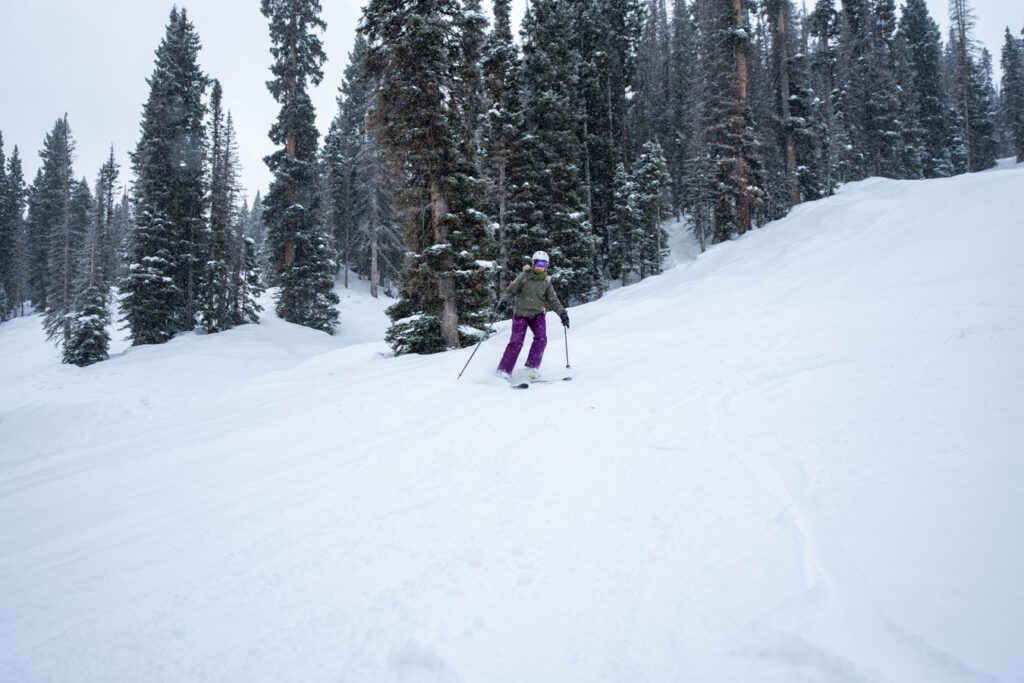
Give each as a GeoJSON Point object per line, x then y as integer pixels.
{"type": "Point", "coordinates": [796, 457]}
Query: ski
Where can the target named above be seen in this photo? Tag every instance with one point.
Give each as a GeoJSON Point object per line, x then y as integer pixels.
{"type": "Point", "coordinates": [526, 385]}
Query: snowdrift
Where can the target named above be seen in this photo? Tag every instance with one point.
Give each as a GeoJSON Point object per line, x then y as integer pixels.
{"type": "Point", "coordinates": [796, 457]}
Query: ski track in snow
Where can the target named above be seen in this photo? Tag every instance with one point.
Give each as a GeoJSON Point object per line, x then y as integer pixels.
{"type": "Point", "coordinates": [795, 457]}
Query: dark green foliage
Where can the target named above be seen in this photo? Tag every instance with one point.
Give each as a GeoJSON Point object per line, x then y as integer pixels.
{"type": "Point", "coordinates": [503, 142]}
{"type": "Point", "coordinates": [734, 180]}
{"type": "Point", "coordinates": [301, 253]}
{"type": "Point", "coordinates": [160, 287]}
{"type": "Point", "coordinates": [423, 61]}
{"type": "Point", "coordinates": [1012, 93]}
{"type": "Point", "coordinates": [552, 214]}
{"type": "Point", "coordinates": [970, 89]}
{"type": "Point", "coordinates": [653, 206]}
{"type": "Point", "coordinates": [12, 233]}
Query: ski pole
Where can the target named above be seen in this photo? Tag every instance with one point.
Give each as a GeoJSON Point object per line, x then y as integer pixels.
{"type": "Point", "coordinates": [566, 330]}
{"type": "Point", "coordinates": [487, 334]}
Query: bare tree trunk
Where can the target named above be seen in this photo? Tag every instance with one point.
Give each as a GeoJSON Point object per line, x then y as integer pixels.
{"type": "Point", "coordinates": [740, 58]}
{"type": "Point", "coordinates": [782, 54]}
{"type": "Point", "coordinates": [374, 267]}
{"type": "Point", "coordinates": [502, 228]}
{"type": "Point", "coordinates": [445, 284]}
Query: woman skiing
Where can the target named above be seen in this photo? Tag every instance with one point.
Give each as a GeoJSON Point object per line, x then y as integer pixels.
{"type": "Point", "coordinates": [532, 296]}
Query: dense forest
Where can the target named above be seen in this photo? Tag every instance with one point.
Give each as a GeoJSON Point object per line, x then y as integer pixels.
{"type": "Point", "coordinates": [458, 149]}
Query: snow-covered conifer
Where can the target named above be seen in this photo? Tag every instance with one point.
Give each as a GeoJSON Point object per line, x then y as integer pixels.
{"type": "Point", "coordinates": [161, 285]}
{"type": "Point", "coordinates": [301, 253]}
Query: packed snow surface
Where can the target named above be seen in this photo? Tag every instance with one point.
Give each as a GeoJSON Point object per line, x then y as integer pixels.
{"type": "Point", "coordinates": [796, 457]}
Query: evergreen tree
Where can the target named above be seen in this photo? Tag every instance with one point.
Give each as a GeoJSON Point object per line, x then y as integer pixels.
{"type": "Point", "coordinates": [13, 261]}
{"type": "Point", "coordinates": [7, 242]}
{"type": "Point", "coordinates": [503, 143]}
{"type": "Point", "coordinates": [683, 146]}
{"type": "Point", "coordinates": [651, 110]}
{"type": "Point", "coordinates": [379, 233]}
{"type": "Point", "coordinates": [823, 64]}
{"type": "Point", "coordinates": [929, 102]}
{"type": "Point", "coordinates": [106, 239]}
{"type": "Point", "coordinates": [882, 110]}
{"type": "Point", "coordinates": [165, 262]}
{"type": "Point", "coordinates": [653, 205]}
{"type": "Point", "coordinates": [51, 213]}
{"type": "Point", "coordinates": [625, 228]}
{"type": "Point", "coordinates": [214, 308]}
{"type": "Point", "coordinates": [735, 179]}
{"type": "Point", "coordinates": [301, 254]}
{"type": "Point", "coordinates": [246, 283]}
{"type": "Point", "coordinates": [553, 216]}
{"type": "Point", "coordinates": [970, 89]}
{"type": "Point", "coordinates": [256, 230]}
{"type": "Point", "coordinates": [1012, 92]}
{"type": "Point", "coordinates": [88, 340]}
{"type": "Point", "coordinates": [121, 230]}
{"type": "Point", "coordinates": [342, 147]}
{"type": "Point", "coordinates": [67, 244]}
{"type": "Point", "coordinates": [426, 95]}
{"type": "Point", "coordinates": [604, 36]}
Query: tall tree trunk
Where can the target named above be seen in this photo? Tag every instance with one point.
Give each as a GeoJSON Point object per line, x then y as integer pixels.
{"type": "Point", "coordinates": [502, 228]}
{"type": "Point", "coordinates": [782, 54]}
{"type": "Point", "coordinates": [445, 283]}
{"type": "Point", "coordinates": [740, 60]}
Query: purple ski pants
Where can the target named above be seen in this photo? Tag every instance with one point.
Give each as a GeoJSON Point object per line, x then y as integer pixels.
{"type": "Point", "coordinates": [539, 328]}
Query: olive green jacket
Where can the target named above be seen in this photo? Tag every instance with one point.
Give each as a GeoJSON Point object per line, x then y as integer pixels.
{"type": "Point", "coordinates": [531, 294]}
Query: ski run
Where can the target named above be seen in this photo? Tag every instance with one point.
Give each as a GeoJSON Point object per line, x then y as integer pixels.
{"type": "Point", "coordinates": [795, 457]}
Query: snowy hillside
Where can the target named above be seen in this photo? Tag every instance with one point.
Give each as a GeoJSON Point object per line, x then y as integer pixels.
{"type": "Point", "coordinates": [797, 457]}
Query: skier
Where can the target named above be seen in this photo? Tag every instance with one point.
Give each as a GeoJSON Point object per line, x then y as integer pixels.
{"type": "Point", "coordinates": [532, 295]}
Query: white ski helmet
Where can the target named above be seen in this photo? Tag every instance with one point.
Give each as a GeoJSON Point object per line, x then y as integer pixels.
{"type": "Point", "coordinates": [540, 256]}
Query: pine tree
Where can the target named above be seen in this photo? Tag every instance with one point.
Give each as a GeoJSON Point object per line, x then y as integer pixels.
{"type": "Point", "coordinates": [301, 254]}
{"type": "Point", "coordinates": [7, 242]}
{"type": "Point", "coordinates": [970, 89]}
{"type": "Point", "coordinates": [54, 200]}
{"type": "Point", "coordinates": [342, 146]}
{"type": "Point", "coordinates": [653, 204]}
{"type": "Point", "coordinates": [883, 125]}
{"type": "Point", "coordinates": [553, 216]}
{"type": "Point", "coordinates": [214, 310]}
{"type": "Point", "coordinates": [686, 75]}
{"type": "Point", "coordinates": [14, 268]}
{"type": "Point", "coordinates": [604, 36]}
{"type": "Point", "coordinates": [503, 143]}
{"type": "Point", "coordinates": [735, 179]}
{"type": "Point", "coordinates": [379, 231]}
{"type": "Point", "coordinates": [651, 110]}
{"type": "Point", "coordinates": [929, 102]}
{"type": "Point", "coordinates": [427, 92]}
{"type": "Point", "coordinates": [164, 265]}
{"type": "Point", "coordinates": [67, 244]}
{"type": "Point", "coordinates": [823, 64]}
{"type": "Point", "coordinates": [624, 228]}
{"type": "Point", "coordinates": [1012, 92]}
{"type": "Point", "coordinates": [106, 239]}
{"type": "Point", "coordinates": [88, 341]}
{"type": "Point", "coordinates": [246, 283]}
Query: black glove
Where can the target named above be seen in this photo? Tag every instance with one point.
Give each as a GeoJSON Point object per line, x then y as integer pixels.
{"type": "Point", "coordinates": [502, 306]}
{"type": "Point", "coordinates": [564, 315]}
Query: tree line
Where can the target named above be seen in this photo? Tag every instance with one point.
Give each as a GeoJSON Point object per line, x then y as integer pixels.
{"type": "Point", "coordinates": [457, 150]}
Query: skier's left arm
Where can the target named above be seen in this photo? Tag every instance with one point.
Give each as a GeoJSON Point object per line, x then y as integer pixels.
{"type": "Point", "coordinates": [553, 304]}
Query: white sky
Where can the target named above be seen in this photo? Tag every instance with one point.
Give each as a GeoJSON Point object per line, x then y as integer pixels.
{"type": "Point", "coordinates": [91, 60]}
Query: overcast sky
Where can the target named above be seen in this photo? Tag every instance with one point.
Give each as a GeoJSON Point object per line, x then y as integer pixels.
{"type": "Point", "coordinates": [91, 60]}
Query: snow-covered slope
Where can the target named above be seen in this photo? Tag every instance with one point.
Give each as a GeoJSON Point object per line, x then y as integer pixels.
{"type": "Point", "coordinates": [797, 457]}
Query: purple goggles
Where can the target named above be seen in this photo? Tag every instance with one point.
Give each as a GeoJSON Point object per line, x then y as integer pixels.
{"type": "Point", "coordinates": [540, 264]}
